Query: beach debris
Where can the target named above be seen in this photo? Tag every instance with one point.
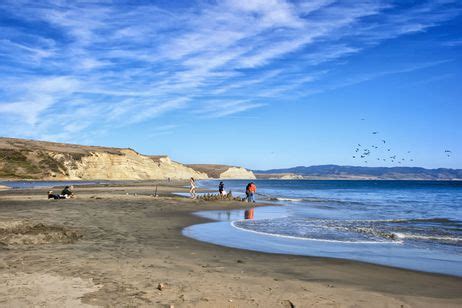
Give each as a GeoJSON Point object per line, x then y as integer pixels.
{"type": "Point", "coordinates": [288, 303]}
{"type": "Point", "coordinates": [161, 286]}
{"type": "Point", "coordinates": [239, 261]}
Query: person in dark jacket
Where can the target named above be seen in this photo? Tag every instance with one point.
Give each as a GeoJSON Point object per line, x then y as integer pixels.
{"type": "Point", "coordinates": [67, 192]}
{"type": "Point", "coordinates": [221, 188]}
{"type": "Point", "coordinates": [247, 192]}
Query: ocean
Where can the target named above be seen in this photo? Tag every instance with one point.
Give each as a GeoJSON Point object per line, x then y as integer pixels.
{"type": "Point", "coordinates": [42, 184]}
{"type": "Point", "coordinates": [409, 224]}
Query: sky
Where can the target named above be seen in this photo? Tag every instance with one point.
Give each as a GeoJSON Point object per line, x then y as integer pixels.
{"type": "Point", "coordinates": [257, 83]}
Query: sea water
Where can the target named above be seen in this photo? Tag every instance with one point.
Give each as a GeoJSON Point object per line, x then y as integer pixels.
{"type": "Point", "coordinates": [44, 184]}
{"type": "Point", "coordinates": [409, 224]}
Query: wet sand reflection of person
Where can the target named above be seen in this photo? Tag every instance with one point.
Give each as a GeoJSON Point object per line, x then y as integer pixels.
{"type": "Point", "coordinates": [249, 213]}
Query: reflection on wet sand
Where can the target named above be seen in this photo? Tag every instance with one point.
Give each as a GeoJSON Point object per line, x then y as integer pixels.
{"type": "Point", "coordinates": [249, 213]}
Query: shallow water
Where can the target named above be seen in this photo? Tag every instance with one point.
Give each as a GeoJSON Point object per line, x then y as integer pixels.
{"type": "Point", "coordinates": [34, 184]}
{"type": "Point", "coordinates": [410, 224]}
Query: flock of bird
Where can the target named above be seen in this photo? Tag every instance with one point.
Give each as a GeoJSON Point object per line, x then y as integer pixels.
{"type": "Point", "coordinates": [364, 153]}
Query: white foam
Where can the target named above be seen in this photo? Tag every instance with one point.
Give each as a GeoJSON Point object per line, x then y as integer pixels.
{"type": "Point", "coordinates": [289, 199]}
{"type": "Point", "coordinates": [423, 237]}
{"type": "Point", "coordinates": [309, 239]}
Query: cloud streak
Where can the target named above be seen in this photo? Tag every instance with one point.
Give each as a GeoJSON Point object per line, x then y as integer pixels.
{"type": "Point", "coordinates": [100, 64]}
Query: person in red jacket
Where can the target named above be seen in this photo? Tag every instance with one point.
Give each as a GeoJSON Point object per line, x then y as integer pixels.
{"type": "Point", "coordinates": [252, 190]}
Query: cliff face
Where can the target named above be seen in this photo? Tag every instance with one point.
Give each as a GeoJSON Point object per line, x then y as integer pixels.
{"type": "Point", "coordinates": [223, 171]}
{"type": "Point", "coordinates": [27, 159]}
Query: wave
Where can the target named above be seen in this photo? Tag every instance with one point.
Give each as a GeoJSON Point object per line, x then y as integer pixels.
{"type": "Point", "coordinates": [311, 200]}
{"type": "Point", "coordinates": [287, 199]}
{"type": "Point", "coordinates": [233, 224]}
{"type": "Point", "coordinates": [427, 237]}
{"type": "Point", "coordinates": [437, 220]}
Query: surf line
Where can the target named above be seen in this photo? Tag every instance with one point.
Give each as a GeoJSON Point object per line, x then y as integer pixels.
{"type": "Point", "coordinates": [273, 198]}
{"type": "Point", "coordinates": [305, 238]}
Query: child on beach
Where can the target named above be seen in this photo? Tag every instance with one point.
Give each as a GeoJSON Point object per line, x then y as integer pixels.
{"type": "Point", "coordinates": [221, 189]}
{"type": "Point", "coordinates": [192, 189]}
{"type": "Point", "coordinates": [51, 195]}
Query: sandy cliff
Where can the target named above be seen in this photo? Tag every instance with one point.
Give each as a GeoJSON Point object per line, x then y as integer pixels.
{"type": "Point", "coordinates": [223, 171]}
{"type": "Point", "coordinates": [28, 159]}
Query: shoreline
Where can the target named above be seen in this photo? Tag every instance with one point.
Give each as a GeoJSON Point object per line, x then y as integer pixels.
{"type": "Point", "coordinates": [309, 256]}
{"type": "Point", "coordinates": [132, 242]}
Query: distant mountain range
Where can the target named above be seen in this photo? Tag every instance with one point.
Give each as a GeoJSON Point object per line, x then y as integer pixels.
{"type": "Point", "coordinates": [360, 173]}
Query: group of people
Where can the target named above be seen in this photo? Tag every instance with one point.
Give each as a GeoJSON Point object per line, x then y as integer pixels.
{"type": "Point", "coordinates": [250, 190]}
{"type": "Point", "coordinates": [66, 193]}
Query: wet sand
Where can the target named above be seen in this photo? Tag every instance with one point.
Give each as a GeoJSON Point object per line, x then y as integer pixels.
{"type": "Point", "coordinates": [118, 245]}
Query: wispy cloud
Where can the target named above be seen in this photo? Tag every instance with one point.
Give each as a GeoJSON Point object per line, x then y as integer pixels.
{"type": "Point", "coordinates": [99, 64]}
{"type": "Point", "coordinates": [222, 108]}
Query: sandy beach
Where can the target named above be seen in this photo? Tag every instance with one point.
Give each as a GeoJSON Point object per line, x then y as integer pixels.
{"type": "Point", "coordinates": [118, 245]}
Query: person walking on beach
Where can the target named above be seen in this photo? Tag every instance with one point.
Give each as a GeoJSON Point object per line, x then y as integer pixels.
{"type": "Point", "coordinates": [253, 191]}
{"type": "Point", "coordinates": [221, 188]}
{"type": "Point", "coordinates": [250, 191]}
{"type": "Point", "coordinates": [192, 189]}
{"type": "Point", "coordinates": [247, 192]}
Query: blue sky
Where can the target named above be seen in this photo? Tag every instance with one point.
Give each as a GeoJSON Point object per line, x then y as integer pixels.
{"type": "Point", "coordinates": [258, 83]}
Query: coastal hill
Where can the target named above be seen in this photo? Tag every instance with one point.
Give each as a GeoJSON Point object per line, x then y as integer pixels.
{"type": "Point", "coordinates": [41, 160]}
{"type": "Point", "coordinates": [360, 173]}
{"type": "Point", "coordinates": [223, 171]}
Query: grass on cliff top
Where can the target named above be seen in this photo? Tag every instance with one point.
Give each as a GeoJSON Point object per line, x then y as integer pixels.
{"type": "Point", "coordinates": [25, 164]}
{"type": "Point", "coordinates": [15, 164]}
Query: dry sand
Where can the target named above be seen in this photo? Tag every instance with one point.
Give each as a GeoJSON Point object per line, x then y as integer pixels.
{"type": "Point", "coordinates": [107, 248]}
